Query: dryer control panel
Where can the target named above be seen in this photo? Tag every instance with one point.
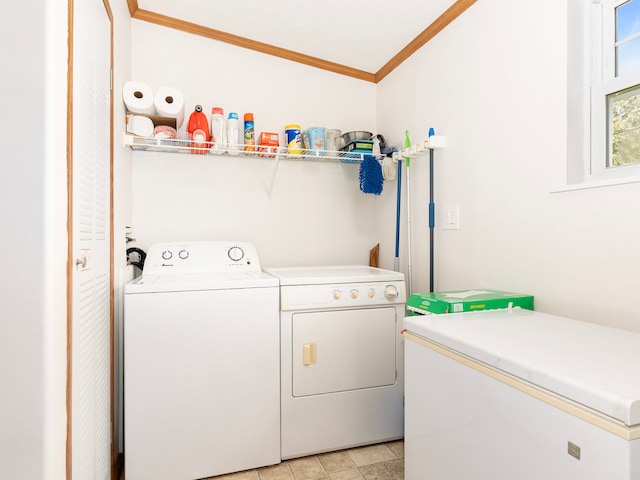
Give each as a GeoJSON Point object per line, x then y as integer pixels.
{"type": "Point", "coordinates": [201, 257]}
{"type": "Point", "coordinates": [345, 295]}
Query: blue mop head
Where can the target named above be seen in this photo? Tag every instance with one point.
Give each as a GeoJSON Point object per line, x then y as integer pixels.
{"type": "Point", "coordinates": [371, 179]}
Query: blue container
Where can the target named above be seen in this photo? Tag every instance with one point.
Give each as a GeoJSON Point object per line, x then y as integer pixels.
{"type": "Point", "coordinates": [317, 138]}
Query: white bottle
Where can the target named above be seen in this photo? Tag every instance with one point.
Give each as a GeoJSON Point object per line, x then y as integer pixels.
{"type": "Point", "coordinates": [233, 131]}
{"type": "Point", "coordinates": [218, 131]}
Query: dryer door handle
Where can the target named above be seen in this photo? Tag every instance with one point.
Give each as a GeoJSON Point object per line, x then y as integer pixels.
{"type": "Point", "coordinates": [309, 354]}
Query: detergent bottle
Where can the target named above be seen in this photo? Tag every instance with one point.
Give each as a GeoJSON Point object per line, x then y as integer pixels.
{"type": "Point", "coordinates": [198, 129]}
{"type": "Point", "coordinates": [232, 133]}
{"type": "Point", "coordinates": [218, 131]}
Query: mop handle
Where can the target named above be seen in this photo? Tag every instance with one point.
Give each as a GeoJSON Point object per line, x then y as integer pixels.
{"type": "Point", "coordinates": [398, 199]}
{"type": "Point", "coordinates": [432, 215]}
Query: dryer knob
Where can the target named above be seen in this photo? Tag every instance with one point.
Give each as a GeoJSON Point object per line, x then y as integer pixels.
{"type": "Point", "coordinates": [354, 294]}
{"type": "Point", "coordinates": [337, 294]}
{"type": "Point", "coordinates": [391, 292]}
{"type": "Point", "coordinates": [167, 254]}
{"type": "Point", "coordinates": [183, 254]}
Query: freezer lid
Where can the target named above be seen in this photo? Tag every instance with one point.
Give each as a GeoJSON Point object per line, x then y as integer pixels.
{"type": "Point", "coordinates": [320, 275]}
{"type": "Point", "coordinates": [590, 364]}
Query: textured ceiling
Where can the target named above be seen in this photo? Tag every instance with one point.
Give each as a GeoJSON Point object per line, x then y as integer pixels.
{"type": "Point", "coordinates": [361, 34]}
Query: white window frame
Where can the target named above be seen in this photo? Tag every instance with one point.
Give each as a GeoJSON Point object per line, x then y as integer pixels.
{"type": "Point", "coordinates": [603, 82]}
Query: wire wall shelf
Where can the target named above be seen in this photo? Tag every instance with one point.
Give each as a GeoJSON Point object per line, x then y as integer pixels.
{"type": "Point", "coordinates": [231, 150]}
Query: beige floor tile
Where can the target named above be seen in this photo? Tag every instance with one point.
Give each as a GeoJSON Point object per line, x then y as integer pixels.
{"type": "Point", "coordinates": [393, 470]}
{"type": "Point", "coordinates": [306, 468]}
{"type": "Point", "coordinates": [351, 474]}
{"type": "Point", "coordinates": [371, 454]}
{"type": "Point", "coordinates": [335, 461]}
{"type": "Point", "coordinates": [275, 472]}
{"type": "Point", "coordinates": [246, 475]}
{"type": "Point", "coordinates": [397, 448]}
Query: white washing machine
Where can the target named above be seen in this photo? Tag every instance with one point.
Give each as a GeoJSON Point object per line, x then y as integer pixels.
{"type": "Point", "coordinates": [341, 357]}
{"type": "Point", "coordinates": [201, 363]}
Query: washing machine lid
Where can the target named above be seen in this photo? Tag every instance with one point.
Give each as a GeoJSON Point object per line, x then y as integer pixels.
{"type": "Point", "coordinates": [590, 364]}
{"type": "Point", "coordinates": [154, 283]}
{"type": "Point", "coordinates": [333, 274]}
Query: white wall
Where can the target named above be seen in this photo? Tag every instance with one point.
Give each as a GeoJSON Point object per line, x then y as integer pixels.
{"type": "Point", "coordinates": [33, 214]}
{"type": "Point", "coordinates": [34, 242]}
{"type": "Point", "coordinates": [494, 83]}
{"type": "Point", "coordinates": [316, 213]}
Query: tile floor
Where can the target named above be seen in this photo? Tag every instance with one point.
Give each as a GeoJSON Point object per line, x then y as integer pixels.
{"type": "Point", "coordinates": [384, 461]}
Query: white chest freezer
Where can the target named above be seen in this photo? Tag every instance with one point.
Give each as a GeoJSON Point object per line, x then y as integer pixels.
{"type": "Point", "coordinates": [520, 394]}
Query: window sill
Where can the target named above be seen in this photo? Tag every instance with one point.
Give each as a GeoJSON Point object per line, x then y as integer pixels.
{"type": "Point", "coordinates": [597, 184]}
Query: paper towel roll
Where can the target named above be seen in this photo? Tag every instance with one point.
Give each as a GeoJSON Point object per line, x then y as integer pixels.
{"type": "Point", "coordinates": [138, 97]}
{"type": "Point", "coordinates": [169, 102]}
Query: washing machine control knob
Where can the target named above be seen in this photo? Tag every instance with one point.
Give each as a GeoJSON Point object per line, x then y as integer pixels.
{"type": "Point", "coordinates": [354, 294]}
{"type": "Point", "coordinates": [236, 254]}
{"type": "Point", "coordinates": [183, 254]}
{"type": "Point", "coordinates": [372, 293]}
{"type": "Point", "coordinates": [337, 294]}
{"type": "Point", "coordinates": [167, 254]}
{"type": "Point", "coordinates": [391, 292]}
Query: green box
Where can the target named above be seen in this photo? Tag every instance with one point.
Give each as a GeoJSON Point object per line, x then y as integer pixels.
{"type": "Point", "coordinates": [465, 301]}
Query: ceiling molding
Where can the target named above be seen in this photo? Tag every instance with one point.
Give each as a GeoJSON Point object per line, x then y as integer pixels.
{"type": "Point", "coordinates": [453, 12]}
{"type": "Point", "coordinates": [133, 7]}
{"type": "Point", "coordinates": [427, 34]}
{"type": "Point", "coordinates": [188, 27]}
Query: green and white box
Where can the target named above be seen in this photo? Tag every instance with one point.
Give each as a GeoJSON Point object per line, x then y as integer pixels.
{"type": "Point", "coordinates": [465, 301]}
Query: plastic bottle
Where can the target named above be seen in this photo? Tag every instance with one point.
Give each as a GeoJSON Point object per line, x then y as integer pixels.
{"type": "Point", "coordinates": [198, 129]}
{"type": "Point", "coordinates": [218, 130]}
{"type": "Point", "coordinates": [232, 133]}
{"type": "Point", "coordinates": [249, 139]}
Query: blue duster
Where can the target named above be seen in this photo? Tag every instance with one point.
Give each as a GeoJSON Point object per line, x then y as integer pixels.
{"type": "Point", "coordinates": [371, 179]}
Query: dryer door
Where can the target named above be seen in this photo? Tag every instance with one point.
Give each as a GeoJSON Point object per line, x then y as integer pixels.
{"type": "Point", "coordinates": [342, 350]}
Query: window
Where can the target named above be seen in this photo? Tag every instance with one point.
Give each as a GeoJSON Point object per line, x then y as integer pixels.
{"type": "Point", "coordinates": [615, 89]}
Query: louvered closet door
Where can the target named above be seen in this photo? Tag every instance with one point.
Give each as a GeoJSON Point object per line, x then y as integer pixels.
{"type": "Point", "coordinates": [91, 330]}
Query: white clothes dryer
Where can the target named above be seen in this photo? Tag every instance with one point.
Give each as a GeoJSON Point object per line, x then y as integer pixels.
{"type": "Point", "coordinates": [341, 357]}
{"type": "Point", "coordinates": [201, 363]}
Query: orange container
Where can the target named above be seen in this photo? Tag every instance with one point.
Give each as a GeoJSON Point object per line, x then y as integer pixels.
{"type": "Point", "coordinates": [198, 129]}
{"type": "Point", "coordinates": [268, 144]}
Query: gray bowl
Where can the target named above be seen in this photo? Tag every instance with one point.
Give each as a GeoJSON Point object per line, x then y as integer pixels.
{"type": "Point", "coordinates": [356, 135]}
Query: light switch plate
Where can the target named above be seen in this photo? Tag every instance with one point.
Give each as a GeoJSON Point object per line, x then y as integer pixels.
{"type": "Point", "coordinates": [450, 217]}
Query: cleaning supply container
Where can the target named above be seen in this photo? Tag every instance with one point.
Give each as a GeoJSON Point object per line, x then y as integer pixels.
{"type": "Point", "coordinates": [249, 139]}
{"type": "Point", "coordinates": [317, 138]}
{"type": "Point", "coordinates": [198, 129]}
{"type": "Point", "coordinates": [232, 134]}
{"type": "Point", "coordinates": [294, 138]}
{"type": "Point", "coordinates": [268, 144]}
{"type": "Point", "coordinates": [218, 130]}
